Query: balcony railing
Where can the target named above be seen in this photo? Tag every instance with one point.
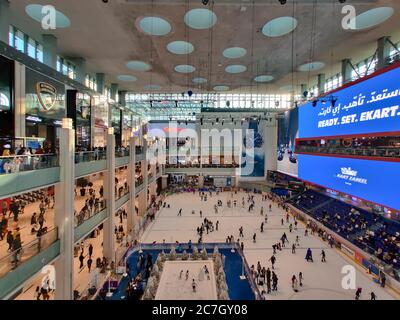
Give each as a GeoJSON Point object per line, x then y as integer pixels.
{"type": "Point", "coordinates": [23, 163]}
{"type": "Point", "coordinates": [89, 156]}
{"type": "Point", "coordinates": [85, 215]}
{"type": "Point", "coordinates": [381, 152]}
{"type": "Point", "coordinates": [120, 153]}
{"type": "Point", "coordinates": [25, 252]}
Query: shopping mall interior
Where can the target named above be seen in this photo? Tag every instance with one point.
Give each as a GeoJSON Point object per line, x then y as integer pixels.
{"type": "Point", "coordinates": [199, 150]}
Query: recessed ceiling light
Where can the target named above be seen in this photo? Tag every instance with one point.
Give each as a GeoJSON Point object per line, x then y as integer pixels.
{"type": "Point", "coordinates": [138, 65]}
{"type": "Point", "coordinates": [127, 78]}
{"type": "Point", "coordinates": [200, 19]}
{"type": "Point", "coordinates": [199, 80]}
{"type": "Point", "coordinates": [235, 68]}
{"type": "Point", "coordinates": [221, 88]}
{"type": "Point", "coordinates": [184, 68]}
{"type": "Point", "coordinates": [263, 78]}
{"type": "Point", "coordinates": [371, 18]}
{"type": "Point", "coordinates": [36, 13]}
{"type": "Point", "coordinates": [312, 66]}
{"type": "Point", "coordinates": [180, 47]}
{"type": "Point", "coordinates": [234, 52]}
{"type": "Point", "coordinates": [279, 27]}
{"type": "Point", "coordinates": [152, 87]}
{"type": "Point", "coordinates": [155, 26]}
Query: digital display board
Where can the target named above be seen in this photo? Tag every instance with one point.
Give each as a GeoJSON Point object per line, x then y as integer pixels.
{"type": "Point", "coordinates": [371, 106]}
{"type": "Point", "coordinates": [288, 131]}
{"type": "Point", "coordinates": [375, 181]}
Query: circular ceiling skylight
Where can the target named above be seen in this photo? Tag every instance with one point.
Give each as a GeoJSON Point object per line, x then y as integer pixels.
{"type": "Point", "coordinates": [279, 27]}
{"type": "Point", "coordinates": [221, 88]}
{"type": "Point", "coordinates": [184, 68]}
{"type": "Point", "coordinates": [152, 87]}
{"type": "Point", "coordinates": [127, 78]}
{"type": "Point", "coordinates": [371, 18]}
{"type": "Point", "coordinates": [200, 19]}
{"type": "Point", "coordinates": [38, 12]}
{"type": "Point", "coordinates": [199, 80]}
{"type": "Point", "coordinates": [263, 78]}
{"type": "Point", "coordinates": [312, 66]}
{"type": "Point", "coordinates": [155, 26]}
{"type": "Point", "coordinates": [138, 65]}
{"type": "Point", "coordinates": [180, 47]}
{"type": "Point", "coordinates": [234, 52]}
{"type": "Point", "coordinates": [235, 68]}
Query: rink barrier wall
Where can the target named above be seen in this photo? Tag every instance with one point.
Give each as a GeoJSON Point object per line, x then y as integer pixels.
{"type": "Point", "coordinates": [208, 246]}
{"type": "Point", "coordinates": [359, 256]}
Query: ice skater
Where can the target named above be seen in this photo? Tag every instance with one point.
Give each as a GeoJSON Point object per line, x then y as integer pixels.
{"type": "Point", "coordinates": [358, 293]}
{"type": "Point", "coordinates": [309, 255]}
{"type": "Point", "coordinates": [294, 284]}
{"type": "Point", "coordinates": [180, 213]}
{"type": "Point", "coordinates": [273, 260]}
{"type": "Point", "coordinates": [323, 256]}
{"type": "Point", "coordinates": [187, 275]}
{"type": "Point", "coordinates": [262, 227]}
{"type": "Point", "coordinates": [301, 279]}
{"type": "Point", "coordinates": [254, 238]}
{"type": "Point", "coordinates": [241, 232]}
{"type": "Point", "coordinates": [194, 285]}
{"type": "Point", "coordinates": [180, 275]}
{"type": "Point", "coordinates": [293, 248]}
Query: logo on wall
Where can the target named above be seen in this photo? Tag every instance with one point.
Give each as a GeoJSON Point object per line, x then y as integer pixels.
{"type": "Point", "coordinates": [350, 175]}
{"type": "Point", "coordinates": [47, 95]}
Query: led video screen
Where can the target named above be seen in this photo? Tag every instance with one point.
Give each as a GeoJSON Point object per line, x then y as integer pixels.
{"type": "Point", "coordinates": [375, 181]}
{"type": "Point", "coordinates": [371, 106]}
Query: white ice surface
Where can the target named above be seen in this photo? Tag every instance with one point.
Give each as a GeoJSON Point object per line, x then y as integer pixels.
{"type": "Point", "coordinates": [321, 280]}
{"type": "Point", "coordinates": [173, 288]}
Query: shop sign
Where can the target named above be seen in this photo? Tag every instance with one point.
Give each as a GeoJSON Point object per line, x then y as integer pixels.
{"type": "Point", "coordinates": [47, 95]}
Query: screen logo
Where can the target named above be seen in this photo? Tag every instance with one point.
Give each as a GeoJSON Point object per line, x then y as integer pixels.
{"type": "Point", "coordinates": [47, 95]}
{"type": "Point", "coordinates": [350, 175]}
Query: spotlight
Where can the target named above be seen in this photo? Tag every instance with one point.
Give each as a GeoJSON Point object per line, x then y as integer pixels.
{"type": "Point", "coordinates": [190, 93]}
{"type": "Point", "coordinates": [282, 2]}
{"type": "Point", "coordinates": [205, 2]}
{"type": "Point", "coordinates": [342, 1]}
{"type": "Point", "coordinates": [105, 1]}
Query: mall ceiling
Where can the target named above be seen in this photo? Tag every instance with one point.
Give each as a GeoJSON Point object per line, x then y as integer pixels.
{"type": "Point", "coordinates": [114, 38]}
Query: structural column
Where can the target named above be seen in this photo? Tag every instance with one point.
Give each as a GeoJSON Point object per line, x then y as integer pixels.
{"type": "Point", "coordinates": [346, 70]}
{"type": "Point", "coordinates": [50, 44]}
{"type": "Point", "coordinates": [80, 65]}
{"type": "Point", "coordinates": [383, 51]}
{"type": "Point", "coordinates": [109, 190]}
{"type": "Point", "coordinates": [270, 143]}
{"type": "Point", "coordinates": [4, 20]}
{"type": "Point", "coordinates": [20, 96]}
{"type": "Point", "coordinates": [132, 216]}
{"type": "Point", "coordinates": [145, 173]}
{"type": "Point", "coordinates": [64, 213]}
{"type": "Point", "coordinates": [321, 83]}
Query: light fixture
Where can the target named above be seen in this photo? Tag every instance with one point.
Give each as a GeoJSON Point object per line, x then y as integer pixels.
{"type": "Point", "coordinates": [282, 2]}
{"type": "Point", "coordinates": [67, 123]}
{"type": "Point", "coordinates": [110, 130]}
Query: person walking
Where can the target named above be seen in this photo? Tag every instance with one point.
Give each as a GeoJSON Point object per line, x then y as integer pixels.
{"type": "Point", "coordinates": [81, 258]}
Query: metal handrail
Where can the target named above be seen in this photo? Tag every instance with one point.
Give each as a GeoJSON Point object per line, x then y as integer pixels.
{"type": "Point", "coordinates": [13, 259]}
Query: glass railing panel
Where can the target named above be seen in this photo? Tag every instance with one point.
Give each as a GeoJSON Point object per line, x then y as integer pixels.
{"type": "Point", "coordinates": [89, 156]}
{"type": "Point", "coordinates": [25, 252]}
{"type": "Point", "coordinates": [85, 215]}
{"type": "Point", "coordinates": [16, 164]}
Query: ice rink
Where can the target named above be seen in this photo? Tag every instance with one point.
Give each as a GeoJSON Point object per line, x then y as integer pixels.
{"type": "Point", "coordinates": [171, 287]}
{"type": "Point", "coordinates": [321, 280]}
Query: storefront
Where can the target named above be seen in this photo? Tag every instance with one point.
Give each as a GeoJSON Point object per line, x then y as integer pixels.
{"type": "Point", "coordinates": [100, 113]}
{"type": "Point", "coordinates": [127, 127]}
{"type": "Point", "coordinates": [116, 123]}
{"type": "Point", "coordinates": [79, 109]}
{"type": "Point", "coordinates": [45, 108]}
{"type": "Point", "coordinates": [6, 103]}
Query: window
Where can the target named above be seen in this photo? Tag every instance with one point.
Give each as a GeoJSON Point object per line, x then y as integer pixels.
{"type": "Point", "coordinates": [66, 68]}
{"type": "Point", "coordinates": [31, 48]}
{"type": "Point", "coordinates": [20, 41]}
{"type": "Point", "coordinates": [91, 82]}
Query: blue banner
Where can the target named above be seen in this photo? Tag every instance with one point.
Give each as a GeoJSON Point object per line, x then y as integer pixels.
{"type": "Point", "coordinates": [375, 181]}
{"type": "Point", "coordinates": [371, 106]}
